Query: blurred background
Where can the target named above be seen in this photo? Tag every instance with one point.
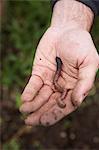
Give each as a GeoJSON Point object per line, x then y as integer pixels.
{"type": "Point", "coordinates": [23, 23]}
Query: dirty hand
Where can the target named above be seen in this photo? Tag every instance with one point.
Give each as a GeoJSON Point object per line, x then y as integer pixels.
{"type": "Point", "coordinates": [72, 43]}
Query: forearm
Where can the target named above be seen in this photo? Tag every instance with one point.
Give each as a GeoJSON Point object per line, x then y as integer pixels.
{"type": "Point", "coordinates": [71, 13]}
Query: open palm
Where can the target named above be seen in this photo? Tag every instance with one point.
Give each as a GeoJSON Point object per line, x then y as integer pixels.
{"type": "Point", "coordinates": [76, 50]}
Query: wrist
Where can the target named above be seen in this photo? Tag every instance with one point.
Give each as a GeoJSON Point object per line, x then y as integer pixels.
{"type": "Point", "coordinates": [72, 14]}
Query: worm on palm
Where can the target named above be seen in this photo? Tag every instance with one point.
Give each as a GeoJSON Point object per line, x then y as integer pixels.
{"type": "Point", "coordinates": [57, 87]}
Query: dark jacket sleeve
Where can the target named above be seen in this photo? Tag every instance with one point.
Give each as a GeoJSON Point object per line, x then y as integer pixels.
{"type": "Point", "coordinates": [93, 4]}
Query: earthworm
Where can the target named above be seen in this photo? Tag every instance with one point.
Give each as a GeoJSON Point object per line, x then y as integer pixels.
{"type": "Point", "coordinates": [57, 87]}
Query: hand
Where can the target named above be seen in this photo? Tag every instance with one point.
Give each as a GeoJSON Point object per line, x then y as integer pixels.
{"type": "Point", "coordinates": [80, 62]}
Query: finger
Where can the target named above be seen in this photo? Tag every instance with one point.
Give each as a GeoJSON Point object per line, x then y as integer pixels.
{"type": "Point", "coordinates": [33, 86]}
{"type": "Point", "coordinates": [34, 118]}
{"type": "Point", "coordinates": [56, 113]}
{"type": "Point", "coordinates": [39, 100]}
{"type": "Point", "coordinates": [84, 84]}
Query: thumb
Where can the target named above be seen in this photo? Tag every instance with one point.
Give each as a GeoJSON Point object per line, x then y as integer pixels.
{"type": "Point", "coordinates": [85, 82]}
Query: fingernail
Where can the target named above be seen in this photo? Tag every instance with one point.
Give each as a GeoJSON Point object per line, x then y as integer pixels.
{"type": "Point", "coordinates": [28, 122]}
{"type": "Point", "coordinates": [78, 102]}
{"type": "Point", "coordinates": [22, 109]}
